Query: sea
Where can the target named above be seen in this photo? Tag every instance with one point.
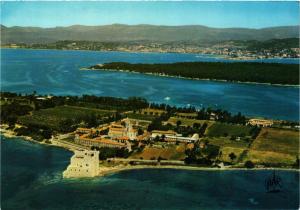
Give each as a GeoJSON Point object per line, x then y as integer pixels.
{"type": "Point", "coordinates": [58, 72]}
{"type": "Point", "coordinates": [32, 179]}
{"type": "Point", "coordinates": [31, 174]}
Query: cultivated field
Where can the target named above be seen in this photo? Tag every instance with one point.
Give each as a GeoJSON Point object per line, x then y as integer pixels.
{"type": "Point", "coordinates": [171, 152]}
{"type": "Point", "coordinates": [224, 129]}
{"type": "Point", "coordinates": [275, 146]}
{"type": "Point", "coordinates": [52, 117]}
{"type": "Point", "coordinates": [141, 116]}
{"type": "Point", "coordinates": [188, 122]}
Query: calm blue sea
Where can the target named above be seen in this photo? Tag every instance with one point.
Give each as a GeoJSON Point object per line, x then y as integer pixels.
{"type": "Point", "coordinates": [32, 179]}
{"type": "Point", "coordinates": [57, 72]}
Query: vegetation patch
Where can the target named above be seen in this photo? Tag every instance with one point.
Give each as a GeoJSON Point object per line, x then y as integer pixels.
{"type": "Point", "coordinates": [275, 146]}
{"type": "Point", "coordinates": [188, 122]}
{"type": "Point", "coordinates": [54, 117]}
{"type": "Point", "coordinates": [269, 157]}
{"type": "Point", "coordinates": [224, 129]}
{"type": "Point", "coordinates": [141, 116]}
{"type": "Point", "coordinates": [240, 71]}
{"type": "Point", "coordinates": [172, 152]}
{"type": "Point", "coordinates": [226, 151]}
{"type": "Point", "coordinates": [277, 140]}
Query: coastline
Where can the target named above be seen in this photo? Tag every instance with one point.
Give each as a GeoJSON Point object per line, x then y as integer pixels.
{"type": "Point", "coordinates": [7, 133]}
{"type": "Point", "coordinates": [106, 171]}
{"type": "Point", "coordinates": [109, 170]}
{"type": "Point", "coordinates": [217, 56]}
{"type": "Point", "coordinates": [190, 78]}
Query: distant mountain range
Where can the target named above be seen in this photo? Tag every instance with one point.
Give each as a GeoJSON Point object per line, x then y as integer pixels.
{"type": "Point", "coordinates": [124, 33]}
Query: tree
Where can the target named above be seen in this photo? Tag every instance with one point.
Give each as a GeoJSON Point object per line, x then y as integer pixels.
{"type": "Point", "coordinates": [47, 133]}
{"type": "Point", "coordinates": [140, 131]}
{"type": "Point", "coordinates": [178, 123]}
{"type": "Point", "coordinates": [233, 138]}
{"type": "Point", "coordinates": [12, 119]}
{"type": "Point", "coordinates": [202, 129]}
{"type": "Point", "coordinates": [156, 138]}
{"type": "Point", "coordinates": [249, 164]}
{"type": "Point", "coordinates": [232, 156]}
{"type": "Point", "coordinates": [196, 125]}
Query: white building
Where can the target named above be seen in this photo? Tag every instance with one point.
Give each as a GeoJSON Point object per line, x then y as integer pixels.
{"type": "Point", "coordinates": [159, 133]}
{"type": "Point", "coordinates": [260, 122]}
{"type": "Point", "coordinates": [194, 138]}
{"type": "Point", "coordinates": [84, 163]}
{"type": "Point", "coordinates": [172, 136]}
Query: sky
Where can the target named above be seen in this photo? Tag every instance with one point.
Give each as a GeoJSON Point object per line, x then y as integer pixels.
{"type": "Point", "coordinates": [218, 14]}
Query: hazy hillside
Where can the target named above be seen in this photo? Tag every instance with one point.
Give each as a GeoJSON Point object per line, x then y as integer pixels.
{"type": "Point", "coordinates": [119, 32]}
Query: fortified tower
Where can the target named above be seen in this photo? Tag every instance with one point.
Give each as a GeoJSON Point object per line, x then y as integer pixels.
{"type": "Point", "coordinates": [84, 163]}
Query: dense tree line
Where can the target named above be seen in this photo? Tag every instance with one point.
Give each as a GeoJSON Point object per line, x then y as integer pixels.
{"type": "Point", "coordinates": [10, 112]}
{"type": "Point", "coordinates": [273, 73]}
{"type": "Point", "coordinates": [92, 101]}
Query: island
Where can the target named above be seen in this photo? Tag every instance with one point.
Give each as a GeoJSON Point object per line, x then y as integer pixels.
{"type": "Point", "coordinates": [110, 134]}
{"type": "Point", "coordinates": [270, 73]}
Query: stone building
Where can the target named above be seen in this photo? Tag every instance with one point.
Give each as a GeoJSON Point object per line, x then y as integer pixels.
{"type": "Point", "coordinates": [84, 163]}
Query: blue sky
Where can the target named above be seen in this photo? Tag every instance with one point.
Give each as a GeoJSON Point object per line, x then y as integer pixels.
{"type": "Point", "coordinates": [213, 14]}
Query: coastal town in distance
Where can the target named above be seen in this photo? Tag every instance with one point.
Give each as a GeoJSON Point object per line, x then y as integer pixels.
{"type": "Point", "coordinates": [159, 105]}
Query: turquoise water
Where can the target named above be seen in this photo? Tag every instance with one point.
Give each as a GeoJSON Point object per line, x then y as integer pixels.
{"type": "Point", "coordinates": [32, 179]}
{"type": "Point", "coordinates": [57, 72]}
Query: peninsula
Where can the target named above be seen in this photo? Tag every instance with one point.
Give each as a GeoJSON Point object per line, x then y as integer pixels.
{"type": "Point", "coordinates": [272, 73]}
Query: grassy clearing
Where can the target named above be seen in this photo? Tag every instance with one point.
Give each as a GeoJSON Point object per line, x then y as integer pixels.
{"type": "Point", "coordinates": [188, 122]}
{"type": "Point", "coordinates": [225, 142]}
{"type": "Point", "coordinates": [227, 150]}
{"type": "Point", "coordinates": [229, 146]}
{"type": "Point", "coordinates": [172, 152]}
{"type": "Point", "coordinates": [224, 129]}
{"type": "Point", "coordinates": [275, 146]}
{"type": "Point", "coordinates": [260, 157]}
{"type": "Point", "coordinates": [54, 116]}
{"type": "Point", "coordinates": [277, 140]}
{"type": "Point", "coordinates": [141, 116]}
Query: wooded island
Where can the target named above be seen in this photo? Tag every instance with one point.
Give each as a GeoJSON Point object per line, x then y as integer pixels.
{"type": "Point", "coordinates": [273, 73]}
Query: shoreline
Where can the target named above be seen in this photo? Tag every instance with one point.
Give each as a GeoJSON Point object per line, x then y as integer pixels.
{"type": "Point", "coordinates": [216, 56]}
{"type": "Point", "coordinates": [109, 170]}
{"type": "Point", "coordinates": [190, 78]}
{"type": "Point", "coordinates": [9, 134]}
{"type": "Point", "coordinates": [105, 171]}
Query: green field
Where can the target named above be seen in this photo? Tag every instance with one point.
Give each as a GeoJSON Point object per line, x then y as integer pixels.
{"type": "Point", "coordinates": [52, 117]}
{"type": "Point", "coordinates": [188, 122]}
{"type": "Point", "coordinates": [141, 116]}
{"type": "Point", "coordinates": [223, 129]}
{"type": "Point", "coordinates": [228, 146]}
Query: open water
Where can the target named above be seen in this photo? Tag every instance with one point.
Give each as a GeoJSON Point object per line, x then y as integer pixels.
{"type": "Point", "coordinates": [32, 179]}
{"type": "Point", "coordinates": [57, 72]}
